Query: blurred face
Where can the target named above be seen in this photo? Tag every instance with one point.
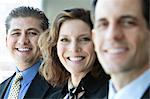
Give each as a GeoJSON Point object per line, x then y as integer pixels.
{"type": "Point", "coordinates": [74, 47]}
{"type": "Point", "coordinates": [121, 38]}
{"type": "Point", "coordinates": [22, 40]}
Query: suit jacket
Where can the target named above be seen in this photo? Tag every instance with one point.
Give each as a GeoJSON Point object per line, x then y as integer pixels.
{"type": "Point", "coordinates": [146, 94]}
{"type": "Point", "coordinates": [39, 88]}
{"type": "Point", "coordinates": [89, 83]}
{"type": "Point", "coordinates": [103, 92]}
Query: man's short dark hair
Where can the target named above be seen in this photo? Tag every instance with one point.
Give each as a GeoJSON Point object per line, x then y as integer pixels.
{"type": "Point", "coordinates": [145, 8]}
{"type": "Point", "coordinates": [146, 11]}
{"type": "Point", "coordinates": [26, 11]}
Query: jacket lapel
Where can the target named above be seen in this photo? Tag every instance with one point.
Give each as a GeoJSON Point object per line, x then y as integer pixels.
{"type": "Point", "coordinates": [38, 88]}
{"type": "Point", "coordinates": [146, 94]}
{"type": "Point", "coordinates": [104, 91]}
{"type": "Point", "coordinates": [4, 85]}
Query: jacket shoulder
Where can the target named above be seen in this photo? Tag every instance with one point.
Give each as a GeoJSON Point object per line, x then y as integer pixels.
{"type": "Point", "coordinates": [4, 85]}
{"type": "Point", "coordinates": [146, 94]}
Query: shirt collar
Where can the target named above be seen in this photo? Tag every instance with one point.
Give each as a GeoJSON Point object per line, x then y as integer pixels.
{"type": "Point", "coordinates": [112, 90]}
{"type": "Point", "coordinates": [133, 90]}
{"type": "Point", "coordinates": [30, 73]}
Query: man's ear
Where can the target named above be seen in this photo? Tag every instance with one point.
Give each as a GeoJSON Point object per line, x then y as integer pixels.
{"type": "Point", "coordinates": [93, 34]}
{"type": "Point", "coordinates": [6, 40]}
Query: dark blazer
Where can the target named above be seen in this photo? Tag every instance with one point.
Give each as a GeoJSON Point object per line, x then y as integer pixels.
{"type": "Point", "coordinates": [146, 94]}
{"type": "Point", "coordinates": [91, 85]}
{"type": "Point", "coordinates": [39, 88]}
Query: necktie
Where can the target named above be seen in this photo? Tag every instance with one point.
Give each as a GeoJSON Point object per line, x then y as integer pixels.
{"type": "Point", "coordinates": [75, 93]}
{"type": "Point", "coordinates": [14, 90]}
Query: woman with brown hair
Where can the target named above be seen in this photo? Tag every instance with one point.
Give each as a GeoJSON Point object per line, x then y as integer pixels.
{"type": "Point", "coordinates": [69, 59]}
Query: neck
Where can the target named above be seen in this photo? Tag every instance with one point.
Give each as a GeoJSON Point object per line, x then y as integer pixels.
{"type": "Point", "coordinates": [76, 78]}
{"type": "Point", "coordinates": [122, 79]}
{"type": "Point", "coordinates": [24, 65]}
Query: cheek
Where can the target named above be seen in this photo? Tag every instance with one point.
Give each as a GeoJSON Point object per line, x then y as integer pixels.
{"type": "Point", "coordinates": [10, 42]}
{"type": "Point", "coordinates": [137, 36]}
{"type": "Point", "coordinates": [137, 41]}
{"type": "Point", "coordinates": [100, 39]}
{"type": "Point", "coordinates": [89, 49]}
{"type": "Point", "coordinates": [98, 42]}
{"type": "Point", "coordinates": [34, 41]}
{"type": "Point", "coordinates": [60, 50]}
{"type": "Point", "coordinates": [91, 58]}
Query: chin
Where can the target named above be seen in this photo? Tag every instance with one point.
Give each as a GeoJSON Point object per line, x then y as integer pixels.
{"type": "Point", "coordinates": [110, 69]}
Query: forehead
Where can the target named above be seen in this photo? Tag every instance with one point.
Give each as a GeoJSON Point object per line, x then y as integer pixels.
{"type": "Point", "coordinates": [24, 23]}
{"type": "Point", "coordinates": [74, 26]}
{"type": "Point", "coordinates": [116, 8]}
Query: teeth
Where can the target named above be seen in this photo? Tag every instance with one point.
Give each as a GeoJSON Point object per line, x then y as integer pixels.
{"type": "Point", "coordinates": [76, 58]}
{"type": "Point", "coordinates": [114, 51]}
{"type": "Point", "coordinates": [23, 49]}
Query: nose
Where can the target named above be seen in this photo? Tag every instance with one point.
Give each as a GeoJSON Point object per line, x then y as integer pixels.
{"type": "Point", "coordinates": [23, 39]}
{"type": "Point", "coordinates": [75, 47]}
{"type": "Point", "coordinates": [114, 33]}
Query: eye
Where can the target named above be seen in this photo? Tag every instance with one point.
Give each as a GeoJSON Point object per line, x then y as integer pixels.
{"type": "Point", "coordinates": [32, 33]}
{"type": "Point", "coordinates": [64, 40]}
{"type": "Point", "coordinates": [15, 33]}
{"type": "Point", "coordinates": [101, 24]}
{"type": "Point", "coordinates": [128, 23]}
{"type": "Point", "coordinates": [85, 39]}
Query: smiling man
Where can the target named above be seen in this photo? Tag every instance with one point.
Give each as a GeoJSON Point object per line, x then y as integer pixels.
{"type": "Point", "coordinates": [121, 37]}
{"type": "Point", "coordinates": [24, 25]}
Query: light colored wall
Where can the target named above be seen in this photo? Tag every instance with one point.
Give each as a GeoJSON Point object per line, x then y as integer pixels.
{"type": "Point", "coordinates": [53, 7]}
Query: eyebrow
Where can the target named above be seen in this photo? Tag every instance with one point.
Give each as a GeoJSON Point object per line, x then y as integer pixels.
{"type": "Point", "coordinates": [99, 20]}
{"type": "Point", "coordinates": [85, 34]}
{"type": "Point", "coordinates": [33, 29]}
{"type": "Point", "coordinates": [128, 17]}
{"type": "Point", "coordinates": [122, 17]}
{"type": "Point", "coordinates": [64, 35]}
{"type": "Point", "coordinates": [14, 30]}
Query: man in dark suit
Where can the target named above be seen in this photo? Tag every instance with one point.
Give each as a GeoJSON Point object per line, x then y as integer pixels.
{"type": "Point", "coordinates": [24, 25]}
{"type": "Point", "coordinates": [121, 36]}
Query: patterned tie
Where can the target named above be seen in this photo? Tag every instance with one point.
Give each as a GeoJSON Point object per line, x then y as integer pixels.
{"type": "Point", "coordinates": [75, 93]}
{"type": "Point", "coordinates": [14, 90]}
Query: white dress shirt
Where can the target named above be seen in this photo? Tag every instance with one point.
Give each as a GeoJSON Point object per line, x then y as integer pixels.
{"type": "Point", "coordinates": [133, 90]}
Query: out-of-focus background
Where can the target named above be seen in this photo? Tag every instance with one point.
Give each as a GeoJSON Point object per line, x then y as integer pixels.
{"type": "Point", "coordinates": [51, 9]}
